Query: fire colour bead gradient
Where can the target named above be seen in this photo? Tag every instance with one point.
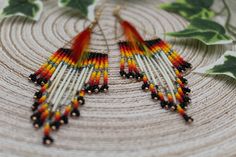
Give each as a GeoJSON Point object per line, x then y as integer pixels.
{"type": "Point", "coordinates": [63, 86]}
{"type": "Point", "coordinates": [65, 78]}
{"type": "Point", "coordinates": [159, 67]}
{"type": "Point", "coordinates": [161, 70]}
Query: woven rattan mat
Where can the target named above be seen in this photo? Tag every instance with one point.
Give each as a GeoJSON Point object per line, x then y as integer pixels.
{"type": "Point", "coordinates": [125, 122]}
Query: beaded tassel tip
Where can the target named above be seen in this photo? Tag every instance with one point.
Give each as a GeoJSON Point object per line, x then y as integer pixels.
{"type": "Point", "coordinates": [159, 67]}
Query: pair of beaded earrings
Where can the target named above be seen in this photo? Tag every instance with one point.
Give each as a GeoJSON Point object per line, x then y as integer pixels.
{"type": "Point", "coordinates": [72, 72]}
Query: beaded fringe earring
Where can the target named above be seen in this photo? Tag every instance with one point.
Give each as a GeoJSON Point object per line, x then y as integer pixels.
{"type": "Point", "coordinates": [159, 67]}
{"type": "Point", "coordinates": [64, 79]}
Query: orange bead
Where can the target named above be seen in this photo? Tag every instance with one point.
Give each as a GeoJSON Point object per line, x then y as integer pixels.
{"type": "Point", "coordinates": [178, 74]}
{"type": "Point", "coordinates": [42, 99]}
{"type": "Point", "coordinates": [152, 88]}
{"type": "Point", "coordinates": [180, 82]}
{"type": "Point", "coordinates": [42, 68]}
{"type": "Point", "coordinates": [44, 115]}
{"type": "Point", "coordinates": [75, 103]}
{"type": "Point", "coordinates": [46, 129]}
{"type": "Point", "coordinates": [105, 75]}
{"type": "Point", "coordinates": [43, 108]}
{"type": "Point", "coordinates": [177, 95]}
{"type": "Point", "coordinates": [180, 91]}
{"type": "Point", "coordinates": [82, 93]}
{"type": "Point", "coordinates": [180, 110]}
{"type": "Point", "coordinates": [44, 88]}
{"type": "Point", "coordinates": [170, 98]}
{"type": "Point", "coordinates": [145, 79]}
{"type": "Point", "coordinates": [57, 116]}
{"type": "Point", "coordinates": [161, 96]}
{"type": "Point", "coordinates": [67, 110]}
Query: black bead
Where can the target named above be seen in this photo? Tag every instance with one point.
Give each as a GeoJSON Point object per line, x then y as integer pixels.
{"type": "Point", "coordinates": [65, 50]}
{"type": "Point", "coordinates": [170, 104]}
{"type": "Point", "coordinates": [38, 95]}
{"type": "Point", "coordinates": [184, 80]}
{"type": "Point", "coordinates": [183, 67]}
{"type": "Point", "coordinates": [149, 42]}
{"type": "Point", "coordinates": [35, 116]}
{"type": "Point", "coordinates": [187, 118]}
{"type": "Point", "coordinates": [104, 88]}
{"type": "Point", "coordinates": [187, 65]}
{"type": "Point", "coordinates": [33, 77]}
{"type": "Point", "coordinates": [44, 81]}
{"type": "Point", "coordinates": [139, 76]}
{"type": "Point", "coordinates": [81, 100]}
{"type": "Point", "coordinates": [35, 106]}
{"type": "Point", "coordinates": [96, 88]}
{"type": "Point", "coordinates": [127, 75]}
{"type": "Point", "coordinates": [156, 86]}
{"type": "Point", "coordinates": [130, 75]}
{"type": "Point", "coordinates": [93, 88]}
{"type": "Point", "coordinates": [154, 96]}
{"type": "Point", "coordinates": [88, 89]}
{"type": "Point", "coordinates": [183, 105]}
{"type": "Point", "coordinates": [86, 86]}
{"type": "Point", "coordinates": [64, 119]}
{"type": "Point", "coordinates": [186, 99]}
{"type": "Point", "coordinates": [145, 86]}
{"type": "Point", "coordinates": [164, 104]}
{"type": "Point", "coordinates": [122, 73]}
{"type": "Point", "coordinates": [75, 113]}
{"type": "Point", "coordinates": [158, 40]}
{"type": "Point", "coordinates": [55, 125]}
{"type": "Point", "coordinates": [180, 68]}
{"type": "Point", "coordinates": [186, 90]}
{"type": "Point", "coordinates": [39, 81]}
{"type": "Point", "coordinates": [47, 140]}
{"type": "Point", "coordinates": [38, 123]}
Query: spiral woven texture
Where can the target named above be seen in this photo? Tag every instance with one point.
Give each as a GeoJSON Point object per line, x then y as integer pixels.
{"type": "Point", "coordinates": [124, 122]}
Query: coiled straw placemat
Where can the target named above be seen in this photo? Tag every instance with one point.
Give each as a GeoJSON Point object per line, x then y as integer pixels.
{"type": "Point", "coordinates": [125, 122]}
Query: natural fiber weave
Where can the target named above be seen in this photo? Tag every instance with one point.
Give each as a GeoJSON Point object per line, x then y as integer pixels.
{"type": "Point", "coordinates": [125, 122]}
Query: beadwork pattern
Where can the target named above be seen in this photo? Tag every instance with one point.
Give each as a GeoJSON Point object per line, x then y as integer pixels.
{"type": "Point", "coordinates": [63, 86]}
{"type": "Point", "coordinates": [161, 71]}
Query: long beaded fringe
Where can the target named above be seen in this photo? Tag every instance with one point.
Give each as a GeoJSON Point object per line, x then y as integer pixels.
{"type": "Point", "coordinates": [63, 86]}
{"type": "Point", "coordinates": [161, 71]}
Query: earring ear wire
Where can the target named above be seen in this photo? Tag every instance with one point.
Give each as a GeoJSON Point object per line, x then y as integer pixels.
{"type": "Point", "coordinates": [116, 11]}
